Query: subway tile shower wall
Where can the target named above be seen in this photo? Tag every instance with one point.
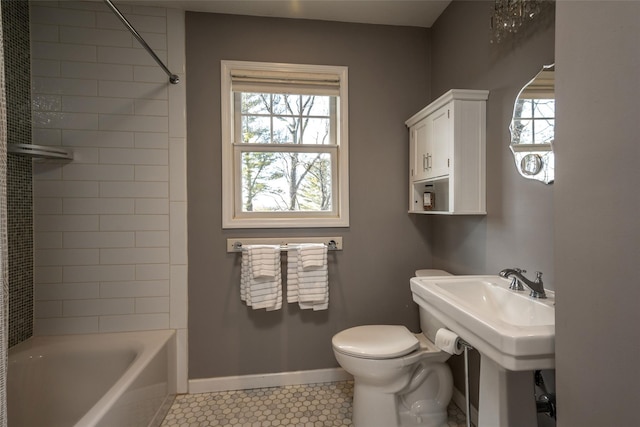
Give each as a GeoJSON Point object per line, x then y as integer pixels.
{"type": "Point", "coordinates": [110, 226]}
{"type": "Point", "coordinates": [15, 26]}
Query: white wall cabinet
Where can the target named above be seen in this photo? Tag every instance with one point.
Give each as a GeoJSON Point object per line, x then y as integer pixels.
{"type": "Point", "coordinates": [447, 154]}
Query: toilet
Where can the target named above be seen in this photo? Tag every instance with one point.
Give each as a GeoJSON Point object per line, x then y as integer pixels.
{"type": "Point", "coordinates": [400, 378]}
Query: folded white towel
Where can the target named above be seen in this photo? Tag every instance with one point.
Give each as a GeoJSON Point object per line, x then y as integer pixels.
{"type": "Point", "coordinates": [292, 274]}
{"type": "Point", "coordinates": [265, 260]}
{"type": "Point", "coordinates": [313, 255]}
{"type": "Point", "coordinates": [260, 277]}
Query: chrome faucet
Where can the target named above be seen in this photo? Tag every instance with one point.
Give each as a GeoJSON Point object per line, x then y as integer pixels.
{"type": "Point", "coordinates": [517, 279]}
{"type": "Point", "coordinates": [516, 284]}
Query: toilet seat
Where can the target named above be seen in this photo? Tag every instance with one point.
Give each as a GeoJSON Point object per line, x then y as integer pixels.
{"type": "Point", "coordinates": [376, 341]}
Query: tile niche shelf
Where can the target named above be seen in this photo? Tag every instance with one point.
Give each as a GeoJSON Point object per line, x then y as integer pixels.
{"type": "Point", "coordinates": [447, 155]}
{"type": "Point", "coordinates": [39, 151]}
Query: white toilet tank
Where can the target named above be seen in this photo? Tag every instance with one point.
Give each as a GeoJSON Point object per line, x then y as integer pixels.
{"type": "Point", "coordinates": [429, 325]}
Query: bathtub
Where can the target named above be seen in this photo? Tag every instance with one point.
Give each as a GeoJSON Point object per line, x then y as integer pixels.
{"type": "Point", "coordinates": [116, 379]}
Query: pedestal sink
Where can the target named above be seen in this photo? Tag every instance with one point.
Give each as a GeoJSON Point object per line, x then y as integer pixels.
{"type": "Point", "coordinates": [513, 332]}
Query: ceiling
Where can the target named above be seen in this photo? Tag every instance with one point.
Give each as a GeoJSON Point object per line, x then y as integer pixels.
{"type": "Point", "coordinates": [414, 13]}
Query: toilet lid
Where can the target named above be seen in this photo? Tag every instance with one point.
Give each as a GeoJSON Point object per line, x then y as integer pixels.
{"type": "Point", "coordinates": [376, 341]}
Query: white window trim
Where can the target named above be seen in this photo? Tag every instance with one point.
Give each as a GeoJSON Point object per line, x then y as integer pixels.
{"type": "Point", "coordinates": [229, 174]}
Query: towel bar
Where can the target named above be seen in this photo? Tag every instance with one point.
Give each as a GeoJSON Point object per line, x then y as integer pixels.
{"type": "Point", "coordinates": [235, 245]}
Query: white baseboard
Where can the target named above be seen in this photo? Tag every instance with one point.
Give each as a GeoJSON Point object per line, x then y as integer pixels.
{"type": "Point", "coordinates": [460, 400]}
{"type": "Point", "coordinates": [243, 382]}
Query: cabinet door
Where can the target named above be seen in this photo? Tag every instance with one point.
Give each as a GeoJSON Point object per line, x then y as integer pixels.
{"type": "Point", "coordinates": [439, 136]}
{"type": "Point", "coordinates": [419, 135]}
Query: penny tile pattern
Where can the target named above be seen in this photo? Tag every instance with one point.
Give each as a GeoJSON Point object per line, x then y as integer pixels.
{"type": "Point", "coordinates": [307, 405]}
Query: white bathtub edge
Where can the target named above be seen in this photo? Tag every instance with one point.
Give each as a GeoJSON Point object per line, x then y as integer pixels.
{"type": "Point", "coordinates": [244, 382]}
{"type": "Point", "coordinates": [162, 412]}
{"type": "Point", "coordinates": [107, 405]}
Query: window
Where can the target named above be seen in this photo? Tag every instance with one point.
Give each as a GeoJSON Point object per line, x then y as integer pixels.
{"type": "Point", "coordinates": [534, 121]}
{"type": "Point", "coordinates": [284, 145]}
{"type": "Point", "coordinates": [534, 112]}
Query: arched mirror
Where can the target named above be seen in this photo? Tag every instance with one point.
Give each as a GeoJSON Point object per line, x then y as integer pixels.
{"type": "Point", "coordinates": [532, 127]}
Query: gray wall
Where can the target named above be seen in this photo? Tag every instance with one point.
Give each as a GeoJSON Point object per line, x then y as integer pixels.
{"type": "Point", "coordinates": [369, 279]}
{"type": "Point", "coordinates": [518, 228]}
{"type": "Point", "coordinates": [597, 207]}
{"type": "Point", "coordinates": [595, 248]}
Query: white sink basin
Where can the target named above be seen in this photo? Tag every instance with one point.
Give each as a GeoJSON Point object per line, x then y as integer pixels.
{"type": "Point", "coordinates": [511, 328]}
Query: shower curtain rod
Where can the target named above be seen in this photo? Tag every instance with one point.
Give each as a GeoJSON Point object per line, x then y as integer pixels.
{"type": "Point", "coordinates": [174, 79]}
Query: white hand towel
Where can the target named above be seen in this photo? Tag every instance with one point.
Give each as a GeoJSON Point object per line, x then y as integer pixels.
{"type": "Point", "coordinates": [313, 279]}
{"type": "Point", "coordinates": [313, 287]}
{"type": "Point", "coordinates": [245, 277]}
{"type": "Point", "coordinates": [260, 277]}
{"type": "Point", "coordinates": [265, 260]}
{"type": "Point", "coordinates": [313, 256]}
{"type": "Point", "coordinates": [267, 293]}
{"type": "Point", "coordinates": [292, 274]}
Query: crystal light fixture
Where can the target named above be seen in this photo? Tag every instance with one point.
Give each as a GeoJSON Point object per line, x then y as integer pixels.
{"type": "Point", "coordinates": [510, 16]}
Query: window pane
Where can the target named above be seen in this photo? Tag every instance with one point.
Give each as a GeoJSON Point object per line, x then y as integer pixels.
{"type": "Point", "coordinates": [304, 104]}
{"type": "Point", "coordinates": [285, 130]}
{"type": "Point", "coordinates": [523, 108]}
{"type": "Point", "coordinates": [316, 131]}
{"type": "Point", "coordinates": [544, 131]}
{"type": "Point", "coordinates": [544, 107]}
{"type": "Point", "coordinates": [280, 104]}
{"type": "Point", "coordinates": [539, 131]}
{"type": "Point", "coordinates": [286, 181]}
{"type": "Point", "coordinates": [321, 106]}
{"type": "Point", "coordinates": [255, 103]}
{"type": "Point", "coordinates": [256, 129]}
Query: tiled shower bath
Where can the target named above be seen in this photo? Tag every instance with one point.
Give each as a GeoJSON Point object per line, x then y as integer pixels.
{"type": "Point", "coordinates": [96, 244]}
{"type": "Point", "coordinates": [15, 25]}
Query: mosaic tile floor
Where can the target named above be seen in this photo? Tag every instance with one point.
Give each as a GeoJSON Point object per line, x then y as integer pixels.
{"type": "Point", "coordinates": [309, 405]}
